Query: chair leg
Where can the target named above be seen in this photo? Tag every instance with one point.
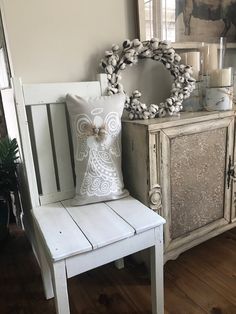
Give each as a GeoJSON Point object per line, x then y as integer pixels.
{"type": "Point", "coordinates": [119, 263]}
{"type": "Point", "coordinates": [45, 269]}
{"type": "Point", "coordinates": [157, 273]}
{"type": "Point", "coordinates": [59, 280]}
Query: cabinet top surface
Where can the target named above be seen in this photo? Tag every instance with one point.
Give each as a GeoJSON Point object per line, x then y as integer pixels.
{"type": "Point", "coordinates": [180, 119]}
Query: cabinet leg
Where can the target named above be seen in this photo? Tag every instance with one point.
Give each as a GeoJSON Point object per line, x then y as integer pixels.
{"type": "Point", "coordinates": [59, 280]}
{"type": "Point", "coordinates": [157, 283]}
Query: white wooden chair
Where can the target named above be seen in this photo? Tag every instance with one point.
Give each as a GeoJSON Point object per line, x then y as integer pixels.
{"type": "Point", "coordinates": [71, 240]}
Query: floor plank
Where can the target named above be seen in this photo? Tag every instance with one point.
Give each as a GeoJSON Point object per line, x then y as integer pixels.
{"type": "Point", "coordinates": [202, 280]}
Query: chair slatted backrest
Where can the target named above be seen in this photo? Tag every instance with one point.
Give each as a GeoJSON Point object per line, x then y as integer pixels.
{"type": "Point", "coordinates": [44, 130]}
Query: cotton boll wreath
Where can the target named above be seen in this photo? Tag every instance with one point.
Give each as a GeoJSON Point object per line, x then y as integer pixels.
{"type": "Point", "coordinates": [117, 59]}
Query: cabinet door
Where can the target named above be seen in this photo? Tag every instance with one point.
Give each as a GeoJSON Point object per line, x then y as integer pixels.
{"type": "Point", "coordinates": [194, 179]}
{"type": "Point", "coordinates": [232, 169]}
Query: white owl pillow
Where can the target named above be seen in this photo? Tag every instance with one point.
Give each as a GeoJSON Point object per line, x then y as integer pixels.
{"type": "Point", "coordinates": [96, 132]}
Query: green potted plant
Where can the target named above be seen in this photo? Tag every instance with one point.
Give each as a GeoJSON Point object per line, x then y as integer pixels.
{"type": "Point", "coordinates": [8, 180]}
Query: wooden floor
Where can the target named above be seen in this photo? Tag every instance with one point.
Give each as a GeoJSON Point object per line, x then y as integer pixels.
{"type": "Point", "coordinates": [202, 280]}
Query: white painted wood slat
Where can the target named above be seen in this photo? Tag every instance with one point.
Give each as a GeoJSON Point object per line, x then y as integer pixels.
{"type": "Point", "coordinates": [106, 254]}
{"type": "Point", "coordinates": [100, 224]}
{"type": "Point", "coordinates": [44, 149]}
{"type": "Point", "coordinates": [62, 150]}
{"type": "Point", "coordinates": [50, 93]}
{"type": "Point", "coordinates": [26, 144]}
{"type": "Point", "coordinates": [136, 214]}
{"type": "Point", "coordinates": [55, 197]}
{"type": "Point", "coordinates": [61, 234]}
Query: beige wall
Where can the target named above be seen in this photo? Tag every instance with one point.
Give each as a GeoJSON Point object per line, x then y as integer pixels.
{"type": "Point", "coordinates": [64, 40]}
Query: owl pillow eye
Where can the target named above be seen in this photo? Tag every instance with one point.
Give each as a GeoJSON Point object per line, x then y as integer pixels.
{"type": "Point", "coordinates": [96, 132]}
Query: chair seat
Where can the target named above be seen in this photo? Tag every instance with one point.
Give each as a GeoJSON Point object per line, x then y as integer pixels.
{"type": "Point", "coordinates": [69, 231]}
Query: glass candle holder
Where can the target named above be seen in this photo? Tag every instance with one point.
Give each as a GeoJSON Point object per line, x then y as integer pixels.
{"type": "Point", "coordinates": [194, 102]}
{"type": "Point", "coordinates": [212, 55]}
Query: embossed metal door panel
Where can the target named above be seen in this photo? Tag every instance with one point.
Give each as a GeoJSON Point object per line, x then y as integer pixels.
{"type": "Point", "coordinates": [196, 198]}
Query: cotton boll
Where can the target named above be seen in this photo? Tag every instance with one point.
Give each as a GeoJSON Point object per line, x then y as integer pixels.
{"type": "Point", "coordinates": [113, 78]}
{"type": "Point", "coordinates": [122, 66]}
{"type": "Point", "coordinates": [181, 96]}
{"type": "Point", "coordinates": [118, 77]}
{"type": "Point", "coordinates": [152, 116]}
{"type": "Point", "coordinates": [117, 57]}
{"type": "Point", "coordinates": [146, 53]}
{"type": "Point", "coordinates": [108, 53]}
{"type": "Point", "coordinates": [187, 75]}
{"type": "Point", "coordinates": [114, 62]}
{"type": "Point", "coordinates": [153, 109]}
{"type": "Point", "coordinates": [182, 67]}
{"type": "Point", "coordinates": [103, 64]}
{"type": "Point", "coordinates": [157, 57]}
{"type": "Point", "coordinates": [162, 112]}
{"type": "Point", "coordinates": [135, 101]}
{"type": "Point", "coordinates": [153, 40]}
{"type": "Point", "coordinates": [137, 94]}
{"type": "Point", "coordinates": [181, 79]}
{"type": "Point", "coordinates": [154, 45]}
{"type": "Point", "coordinates": [138, 109]}
{"type": "Point", "coordinates": [178, 85]}
{"type": "Point", "coordinates": [130, 53]}
{"type": "Point", "coordinates": [114, 90]}
{"type": "Point", "coordinates": [110, 59]}
{"type": "Point", "coordinates": [109, 69]}
{"type": "Point", "coordinates": [131, 116]}
{"type": "Point", "coordinates": [146, 115]}
{"type": "Point", "coordinates": [187, 95]}
{"type": "Point", "coordinates": [177, 58]}
{"type": "Point", "coordinates": [178, 103]}
{"type": "Point", "coordinates": [136, 42]}
{"type": "Point", "coordinates": [127, 99]}
{"type": "Point", "coordinates": [170, 59]}
{"type": "Point", "coordinates": [115, 47]}
{"type": "Point", "coordinates": [126, 44]}
{"type": "Point", "coordinates": [144, 107]}
{"type": "Point", "coordinates": [169, 101]}
{"type": "Point", "coordinates": [171, 51]}
{"type": "Point", "coordinates": [120, 88]}
{"type": "Point", "coordinates": [191, 80]}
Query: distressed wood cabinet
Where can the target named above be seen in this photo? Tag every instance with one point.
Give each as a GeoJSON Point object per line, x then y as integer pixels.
{"type": "Point", "coordinates": [180, 166]}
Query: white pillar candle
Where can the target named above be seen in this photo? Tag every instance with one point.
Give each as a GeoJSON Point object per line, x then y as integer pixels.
{"type": "Point", "coordinates": [193, 59]}
{"type": "Point", "coordinates": [183, 57]}
{"type": "Point", "coordinates": [221, 78]}
{"type": "Point", "coordinates": [219, 98]}
{"type": "Point", "coordinates": [209, 58]}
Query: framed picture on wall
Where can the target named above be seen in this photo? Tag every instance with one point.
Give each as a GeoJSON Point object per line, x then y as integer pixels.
{"type": "Point", "coordinates": [188, 20]}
